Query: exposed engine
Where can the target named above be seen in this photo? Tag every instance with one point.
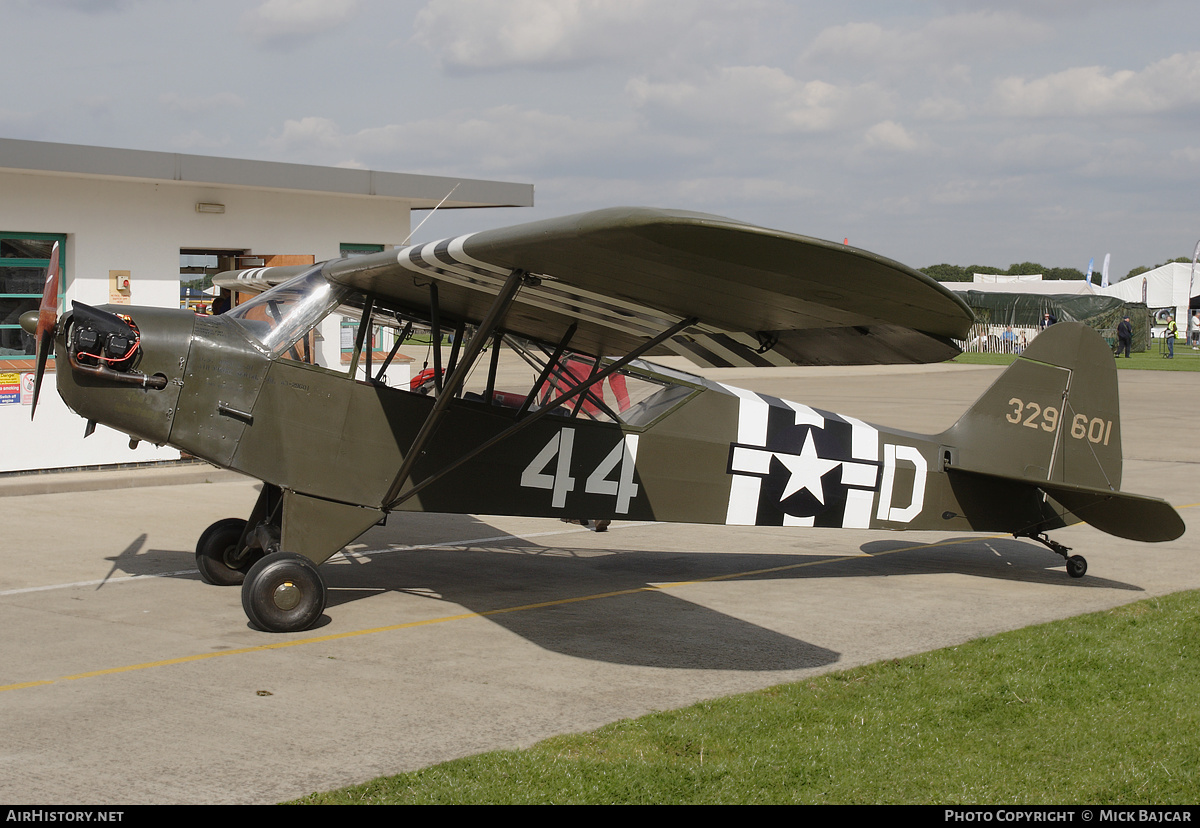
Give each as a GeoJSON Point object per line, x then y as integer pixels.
{"type": "Point", "coordinates": [106, 345]}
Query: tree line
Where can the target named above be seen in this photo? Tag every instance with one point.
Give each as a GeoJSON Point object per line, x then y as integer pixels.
{"type": "Point", "coordinates": [955, 273]}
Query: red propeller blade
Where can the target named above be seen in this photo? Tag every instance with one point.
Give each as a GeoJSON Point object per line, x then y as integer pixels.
{"type": "Point", "coordinates": [47, 322]}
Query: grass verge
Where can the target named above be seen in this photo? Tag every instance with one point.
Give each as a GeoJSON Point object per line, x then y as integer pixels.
{"type": "Point", "coordinates": [1185, 360]}
{"type": "Point", "coordinates": [1100, 709]}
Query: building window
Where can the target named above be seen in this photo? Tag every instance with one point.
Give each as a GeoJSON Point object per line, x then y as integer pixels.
{"type": "Point", "coordinates": [361, 249]}
{"type": "Point", "coordinates": [24, 258]}
{"type": "Point", "coordinates": [349, 328]}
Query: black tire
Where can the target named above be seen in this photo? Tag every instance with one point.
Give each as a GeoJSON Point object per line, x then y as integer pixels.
{"type": "Point", "coordinates": [1076, 566]}
{"type": "Point", "coordinates": [216, 553]}
{"type": "Point", "coordinates": [283, 592]}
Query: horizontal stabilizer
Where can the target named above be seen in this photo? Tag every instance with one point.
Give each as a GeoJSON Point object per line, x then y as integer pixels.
{"type": "Point", "coordinates": [1129, 516]}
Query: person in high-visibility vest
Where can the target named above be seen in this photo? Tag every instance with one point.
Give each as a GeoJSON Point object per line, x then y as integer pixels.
{"type": "Point", "coordinates": [1171, 331]}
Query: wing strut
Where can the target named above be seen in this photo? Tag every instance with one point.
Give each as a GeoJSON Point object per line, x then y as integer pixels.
{"type": "Point", "coordinates": [497, 340]}
{"type": "Point", "coordinates": [446, 393]}
{"type": "Point", "coordinates": [392, 353]}
{"type": "Point", "coordinates": [435, 336]}
{"type": "Point", "coordinates": [459, 332]}
{"type": "Point", "coordinates": [547, 368]}
{"type": "Point", "coordinates": [364, 324]}
{"type": "Point", "coordinates": [558, 378]}
{"type": "Point", "coordinates": [392, 500]}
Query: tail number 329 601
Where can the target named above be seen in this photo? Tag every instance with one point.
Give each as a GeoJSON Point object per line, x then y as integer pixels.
{"type": "Point", "coordinates": [1033, 415]}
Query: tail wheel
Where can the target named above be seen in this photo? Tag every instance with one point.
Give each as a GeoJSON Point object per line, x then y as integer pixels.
{"type": "Point", "coordinates": [219, 556]}
{"type": "Point", "coordinates": [283, 592]}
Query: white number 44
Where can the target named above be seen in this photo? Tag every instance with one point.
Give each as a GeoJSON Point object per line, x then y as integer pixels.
{"type": "Point", "coordinates": [624, 455]}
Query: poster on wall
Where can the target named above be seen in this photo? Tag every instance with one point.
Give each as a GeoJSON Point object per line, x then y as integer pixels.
{"type": "Point", "coordinates": [27, 383]}
{"type": "Point", "coordinates": [118, 287]}
{"type": "Point", "coordinates": [10, 388]}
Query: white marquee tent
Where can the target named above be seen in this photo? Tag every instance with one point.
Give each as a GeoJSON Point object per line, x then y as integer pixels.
{"type": "Point", "coordinates": [1169, 286]}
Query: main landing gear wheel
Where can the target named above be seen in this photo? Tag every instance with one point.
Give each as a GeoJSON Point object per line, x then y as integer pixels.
{"type": "Point", "coordinates": [1076, 566]}
{"type": "Point", "coordinates": [283, 592]}
{"type": "Point", "coordinates": [220, 561]}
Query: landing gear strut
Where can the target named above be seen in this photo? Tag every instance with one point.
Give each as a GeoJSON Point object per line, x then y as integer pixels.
{"type": "Point", "coordinates": [1076, 564]}
{"type": "Point", "coordinates": [281, 591]}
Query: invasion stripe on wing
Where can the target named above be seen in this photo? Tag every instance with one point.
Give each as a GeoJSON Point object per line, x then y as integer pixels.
{"type": "Point", "coordinates": [447, 260]}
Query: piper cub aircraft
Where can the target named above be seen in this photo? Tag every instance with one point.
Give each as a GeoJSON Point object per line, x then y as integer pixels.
{"type": "Point", "coordinates": [602, 434]}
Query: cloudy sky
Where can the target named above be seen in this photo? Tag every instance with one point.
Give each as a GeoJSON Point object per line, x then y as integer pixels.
{"type": "Point", "coordinates": [940, 131]}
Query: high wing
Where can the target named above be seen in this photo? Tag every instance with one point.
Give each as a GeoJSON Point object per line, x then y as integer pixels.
{"type": "Point", "coordinates": [622, 275]}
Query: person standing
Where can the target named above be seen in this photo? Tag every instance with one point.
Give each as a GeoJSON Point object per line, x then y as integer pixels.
{"type": "Point", "coordinates": [1124, 336]}
{"type": "Point", "coordinates": [1196, 330]}
{"type": "Point", "coordinates": [1169, 333]}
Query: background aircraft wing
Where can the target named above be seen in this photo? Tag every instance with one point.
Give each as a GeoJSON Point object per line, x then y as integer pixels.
{"type": "Point", "coordinates": [762, 297]}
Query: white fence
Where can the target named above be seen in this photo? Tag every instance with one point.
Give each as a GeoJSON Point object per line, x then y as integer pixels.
{"type": "Point", "coordinates": [985, 338]}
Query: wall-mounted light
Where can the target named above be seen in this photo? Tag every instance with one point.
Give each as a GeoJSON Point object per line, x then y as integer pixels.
{"type": "Point", "coordinates": [207, 207]}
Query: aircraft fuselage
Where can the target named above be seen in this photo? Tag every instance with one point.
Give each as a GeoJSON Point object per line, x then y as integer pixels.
{"type": "Point", "coordinates": [333, 445]}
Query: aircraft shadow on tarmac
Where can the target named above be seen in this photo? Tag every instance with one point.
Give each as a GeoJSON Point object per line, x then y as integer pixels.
{"type": "Point", "coordinates": [1009, 559]}
{"type": "Point", "coordinates": [602, 604]}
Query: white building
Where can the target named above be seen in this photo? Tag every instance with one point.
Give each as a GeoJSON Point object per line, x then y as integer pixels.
{"type": "Point", "coordinates": [1166, 290]}
{"type": "Point", "coordinates": [124, 219]}
{"type": "Point", "coordinates": [1025, 285]}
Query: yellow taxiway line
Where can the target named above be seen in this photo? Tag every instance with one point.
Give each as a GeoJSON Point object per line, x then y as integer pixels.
{"type": "Point", "coordinates": [444, 619]}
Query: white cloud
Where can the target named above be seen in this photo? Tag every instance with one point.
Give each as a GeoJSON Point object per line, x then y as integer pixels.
{"type": "Point", "coordinates": [925, 46]}
{"type": "Point", "coordinates": [203, 104]}
{"type": "Point", "coordinates": [701, 193]}
{"type": "Point", "coordinates": [97, 104]}
{"type": "Point", "coordinates": [469, 34]}
{"type": "Point", "coordinates": [279, 22]}
{"type": "Point", "coordinates": [474, 35]}
{"type": "Point", "coordinates": [307, 133]}
{"type": "Point", "coordinates": [1026, 151]}
{"type": "Point", "coordinates": [1188, 155]}
{"type": "Point", "coordinates": [86, 6]}
{"type": "Point", "coordinates": [14, 120]}
{"type": "Point", "coordinates": [889, 135]}
{"type": "Point", "coordinates": [760, 99]}
{"type": "Point", "coordinates": [1165, 86]}
{"type": "Point", "coordinates": [942, 108]}
{"type": "Point", "coordinates": [959, 191]}
{"type": "Point", "coordinates": [197, 141]}
{"type": "Point", "coordinates": [505, 140]}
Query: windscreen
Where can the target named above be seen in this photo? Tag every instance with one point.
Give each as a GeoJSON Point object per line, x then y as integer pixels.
{"type": "Point", "coordinates": [280, 317]}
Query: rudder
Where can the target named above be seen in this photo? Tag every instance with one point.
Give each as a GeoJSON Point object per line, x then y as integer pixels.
{"type": "Point", "coordinates": [1053, 416]}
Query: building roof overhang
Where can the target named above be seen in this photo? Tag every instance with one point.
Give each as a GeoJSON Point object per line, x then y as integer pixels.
{"type": "Point", "coordinates": [420, 191]}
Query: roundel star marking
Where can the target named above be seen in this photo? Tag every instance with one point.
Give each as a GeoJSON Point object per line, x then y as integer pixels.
{"type": "Point", "coordinates": [806, 469]}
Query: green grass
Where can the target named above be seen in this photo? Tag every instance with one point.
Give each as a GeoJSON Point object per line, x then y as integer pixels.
{"type": "Point", "coordinates": [1185, 360]}
{"type": "Point", "coordinates": [1101, 709]}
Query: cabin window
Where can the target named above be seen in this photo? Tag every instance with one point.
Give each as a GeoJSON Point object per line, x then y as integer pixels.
{"type": "Point", "coordinates": [636, 396]}
{"type": "Point", "coordinates": [24, 258]}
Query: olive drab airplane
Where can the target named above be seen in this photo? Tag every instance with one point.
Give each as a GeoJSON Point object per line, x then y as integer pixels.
{"type": "Point", "coordinates": [602, 433]}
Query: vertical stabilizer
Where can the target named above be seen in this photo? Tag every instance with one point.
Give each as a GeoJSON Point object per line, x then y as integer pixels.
{"type": "Point", "coordinates": [1053, 416]}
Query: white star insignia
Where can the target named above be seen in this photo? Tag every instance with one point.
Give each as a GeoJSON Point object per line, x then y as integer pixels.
{"type": "Point", "coordinates": [806, 469]}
